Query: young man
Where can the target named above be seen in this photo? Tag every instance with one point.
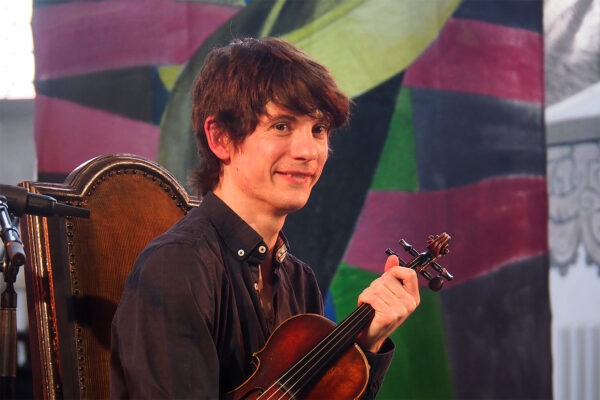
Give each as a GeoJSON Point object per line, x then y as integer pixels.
{"type": "Point", "coordinates": [206, 295]}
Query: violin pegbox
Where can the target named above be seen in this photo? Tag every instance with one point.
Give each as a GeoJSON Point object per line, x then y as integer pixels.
{"type": "Point", "coordinates": [437, 246]}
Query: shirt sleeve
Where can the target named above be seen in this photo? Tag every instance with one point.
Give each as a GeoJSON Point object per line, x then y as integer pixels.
{"type": "Point", "coordinates": [379, 363]}
{"type": "Point", "coordinates": [162, 345]}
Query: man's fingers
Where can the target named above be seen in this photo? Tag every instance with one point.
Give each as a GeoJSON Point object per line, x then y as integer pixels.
{"type": "Point", "coordinates": [393, 296]}
{"type": "Point", "coordinates": [409, 280]}
{"type": "Point", "coordinates": [399, 284]}
{"type": "Point", "coordinates": [392, 261]}
{"type": "Point", "coordinates": [406, 276]}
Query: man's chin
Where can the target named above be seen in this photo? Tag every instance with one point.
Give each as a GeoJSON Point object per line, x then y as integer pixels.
{"type": "Point", "coordinates": [293, 204]}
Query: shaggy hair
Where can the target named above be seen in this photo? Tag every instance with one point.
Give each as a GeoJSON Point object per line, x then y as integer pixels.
{"type": "Point", "coordinates": [238, 80]}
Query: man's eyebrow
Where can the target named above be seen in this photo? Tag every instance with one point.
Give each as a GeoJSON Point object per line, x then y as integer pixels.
{"type": "Point", "coordinates": [270, 118]}
{"type": "Point", "coordinates": [280, 117]}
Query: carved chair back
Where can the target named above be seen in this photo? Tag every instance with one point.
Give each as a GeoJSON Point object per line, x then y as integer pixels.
{"type": "Point", "coordinates": [76, 267]}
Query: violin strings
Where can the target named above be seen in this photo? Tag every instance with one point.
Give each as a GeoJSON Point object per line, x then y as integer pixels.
{"type": "Point", "coordinates": [304, 365]}
{"type": "Point", "coordinates": [307, 360]}
{"type": "Point", "coordinates": [321, 352]}
{"type": "Point", "coordinates": [348, 333]}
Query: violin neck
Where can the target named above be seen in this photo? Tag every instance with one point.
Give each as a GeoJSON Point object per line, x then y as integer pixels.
{"type": "Point", "coordinates": [346, 332]}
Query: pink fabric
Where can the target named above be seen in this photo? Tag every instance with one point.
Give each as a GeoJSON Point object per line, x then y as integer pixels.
{"type": "Point", "coordinates": [82, 37]}
{"type": "Point", "coordinates": [492, 223]}
{"type": "Point", "coordinates": [482, 58]}
{"type": "Point", "coordinates": [68, 134]}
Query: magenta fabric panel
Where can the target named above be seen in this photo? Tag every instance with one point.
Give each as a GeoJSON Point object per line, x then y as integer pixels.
{"type": "Point", "coordinates": [82, 37]}
{"type": "Point", "coordinates": [68, 134]}
{"type": "Point", "coordinates": [493, 223]}
{"type": "Point", "coordinates": [482, 58]}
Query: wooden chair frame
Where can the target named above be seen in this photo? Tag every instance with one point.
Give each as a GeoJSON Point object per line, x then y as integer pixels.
{"type": "Point", "coordinates": [68, 313]}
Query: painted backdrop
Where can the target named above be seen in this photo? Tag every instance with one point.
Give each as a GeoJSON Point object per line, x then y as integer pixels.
{"type": "Point", "coordinates": [447, 135]}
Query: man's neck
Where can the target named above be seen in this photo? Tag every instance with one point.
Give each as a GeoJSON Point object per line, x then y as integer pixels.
{"type": "Point", "coordinates": [266, 224]}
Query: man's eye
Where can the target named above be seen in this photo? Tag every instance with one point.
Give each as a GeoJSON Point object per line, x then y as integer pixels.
{"type": "Point", "coordinates": [319, 129]}
{"type": "Point", "coordinates": [281, 127]}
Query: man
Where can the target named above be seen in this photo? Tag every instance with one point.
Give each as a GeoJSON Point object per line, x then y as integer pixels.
{"type": "Point", "coordinates": [206, 295]}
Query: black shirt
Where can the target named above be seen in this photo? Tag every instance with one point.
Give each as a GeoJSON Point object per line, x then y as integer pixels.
{"type": "Point", "coordinates": [190, 319]}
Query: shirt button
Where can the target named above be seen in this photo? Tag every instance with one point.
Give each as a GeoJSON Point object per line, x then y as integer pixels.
{"type": "Point", "coordinates": [241, 252]}
{"type": "Point", "coordinates": [262, 249]}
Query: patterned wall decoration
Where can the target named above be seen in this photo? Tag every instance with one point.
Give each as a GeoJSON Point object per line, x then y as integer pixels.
{"type": "Point", "coordinates": [572, 117]}
{"type": "Point", "coordinates": [572, 51]}
{"type": "Point", "coordinates": [574, 190]}
{"type": "Point", "coordinates": [447, 135]}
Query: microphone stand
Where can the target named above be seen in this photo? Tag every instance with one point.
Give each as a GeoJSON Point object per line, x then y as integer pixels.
{"type": "Point", "coordinates": [19, 201]}
{"type": "Point", "coordinates": [14, 257]}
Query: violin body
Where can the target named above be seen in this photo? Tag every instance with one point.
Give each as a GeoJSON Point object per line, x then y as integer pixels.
{"type": "Point", "coordinates": [345, 378]}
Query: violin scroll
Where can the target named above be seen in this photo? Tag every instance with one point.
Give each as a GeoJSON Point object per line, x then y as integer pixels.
{"type": "Point", "coordinates": [437, 246]}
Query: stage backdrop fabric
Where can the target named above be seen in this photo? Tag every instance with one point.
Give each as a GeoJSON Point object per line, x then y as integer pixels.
{"type": "Point", "coordinates": [447, 136]}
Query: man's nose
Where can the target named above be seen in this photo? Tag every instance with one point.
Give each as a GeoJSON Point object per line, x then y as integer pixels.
{"type": "Point", "coordinates": [304, 145]}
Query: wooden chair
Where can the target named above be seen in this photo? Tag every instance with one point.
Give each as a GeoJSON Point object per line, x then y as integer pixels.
{"type": "Point", "coordinates": [76, 268]}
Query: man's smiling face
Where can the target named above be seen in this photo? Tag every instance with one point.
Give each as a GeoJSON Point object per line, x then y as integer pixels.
{"type": "Point", "coordinates": [276, 166]}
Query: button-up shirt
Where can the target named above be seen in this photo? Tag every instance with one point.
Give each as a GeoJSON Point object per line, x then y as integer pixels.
{"type": "Point", "coordinates": [190, 318]}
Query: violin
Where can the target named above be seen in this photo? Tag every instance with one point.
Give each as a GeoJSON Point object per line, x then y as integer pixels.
{"type": "Point", "coordinates": [309, 357]}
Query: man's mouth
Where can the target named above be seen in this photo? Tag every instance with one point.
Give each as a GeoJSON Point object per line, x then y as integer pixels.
{"type": "Point", "coordinates": [297, 176]}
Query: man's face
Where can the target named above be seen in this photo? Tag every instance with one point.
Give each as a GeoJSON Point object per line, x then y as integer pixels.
{"type": "Point", "coordinates": [274, 169]}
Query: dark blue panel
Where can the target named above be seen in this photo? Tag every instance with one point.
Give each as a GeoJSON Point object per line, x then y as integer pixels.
{"type": "Point", "coordinates": [296, 14]}
{"type": "Point", "coordinates": [329, 307]}
{"type": "Point", "coordinates": [464, 138]}
{"type": "Point", "coordinates": [498, 333]}
{"type": "Point", "coordinates": [127, 92]}
{"type": "Point", "coordinates": [160, 97]}
{"type": "Point", "coordinates": [525, 14]}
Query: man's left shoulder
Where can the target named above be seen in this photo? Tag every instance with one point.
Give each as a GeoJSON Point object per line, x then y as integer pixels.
{"type": "Point", "coordinates": [297, 270]}
{"type": "Point", "coordinates": [294, 264]}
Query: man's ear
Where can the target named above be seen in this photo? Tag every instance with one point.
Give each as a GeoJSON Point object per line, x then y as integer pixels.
{"type": "Point", "coordinates": [217, 139]}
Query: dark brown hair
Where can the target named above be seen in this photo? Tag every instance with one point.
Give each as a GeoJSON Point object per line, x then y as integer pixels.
{"type": "Point", "coordinates": [237, 81]}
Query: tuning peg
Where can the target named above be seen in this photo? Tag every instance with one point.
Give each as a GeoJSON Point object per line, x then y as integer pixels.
{"type": "Point", "coordinates": [437, 246]}
{"type": "Point", "coordinates": [436, 283]}
{"type": "Point", "coordinates": [391, 252]}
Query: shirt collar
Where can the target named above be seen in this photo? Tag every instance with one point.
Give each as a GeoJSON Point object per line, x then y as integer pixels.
{"type": "Point", "coordinates": [243, 241]}
{"type": "Point", "coordinates": [281, 248]}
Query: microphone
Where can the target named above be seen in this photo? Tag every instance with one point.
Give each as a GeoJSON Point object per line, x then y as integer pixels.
{"type": "Point", "coordinates": [20, 202]}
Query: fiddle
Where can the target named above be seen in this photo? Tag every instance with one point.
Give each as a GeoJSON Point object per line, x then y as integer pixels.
{"type": "Point", "coordinates": [309, 357]}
